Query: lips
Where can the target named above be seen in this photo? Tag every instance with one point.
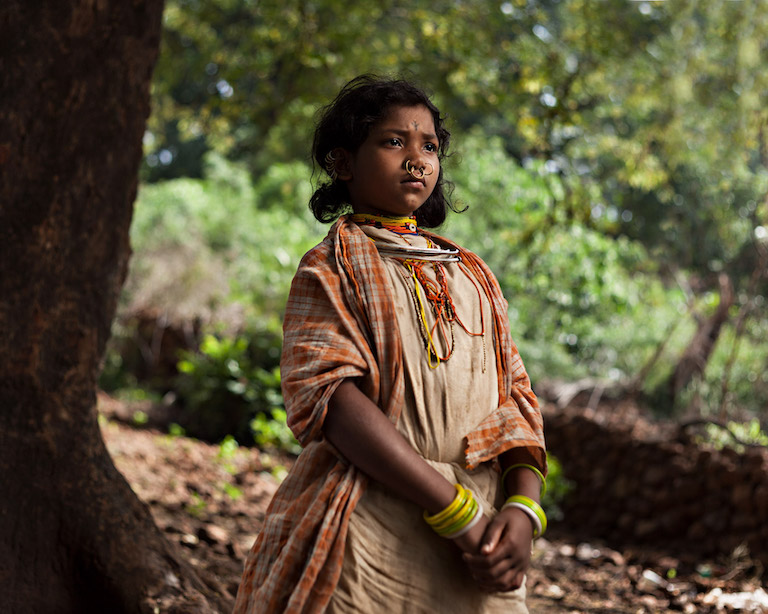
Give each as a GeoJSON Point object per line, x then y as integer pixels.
{"type": "Point", "coordinates": [414, 180]}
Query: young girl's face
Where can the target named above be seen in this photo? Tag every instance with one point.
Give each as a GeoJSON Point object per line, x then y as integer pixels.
{"type": "Point", "coordinates": [376, 176]}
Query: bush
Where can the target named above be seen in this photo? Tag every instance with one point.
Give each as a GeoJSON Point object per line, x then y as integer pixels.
{"type": "Point", "coordinates": [222, 248]}
{"type": "Point", "coordinates": [579, 299]}
{"type": "Point", "coordinates": [223, 387]}
{"type": "Point", "coordinates": [215, 255]}
{"type": "Point", "coordinates": [558, 487]}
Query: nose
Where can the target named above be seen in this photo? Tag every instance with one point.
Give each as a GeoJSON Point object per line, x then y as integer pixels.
{"type": "Point", "coordinates": [417, 158]}
{"type": "Point", "coordinates": [418, 171]}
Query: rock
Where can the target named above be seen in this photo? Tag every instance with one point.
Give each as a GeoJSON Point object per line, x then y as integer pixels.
{"type": "Point", "coordinates": [213, 534]}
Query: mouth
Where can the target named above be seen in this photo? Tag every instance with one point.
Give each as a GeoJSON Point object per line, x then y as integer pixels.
{"type": "Point", "coordinates": [413, 181]}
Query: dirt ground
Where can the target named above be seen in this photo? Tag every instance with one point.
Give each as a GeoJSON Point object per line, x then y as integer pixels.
{"type": "Point", "coordinates": [211, 500]}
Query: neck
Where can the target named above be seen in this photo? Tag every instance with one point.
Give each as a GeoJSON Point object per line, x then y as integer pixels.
{"type": "Point", "coordinates": [396, 224]}
{"type": "Point", "coordinates": [369, 218]}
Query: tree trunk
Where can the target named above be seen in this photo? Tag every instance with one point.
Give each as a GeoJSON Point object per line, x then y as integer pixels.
{"type": "Point", "coordinates": [74, 97]}
{"type": "Point", "coordinates": [696, 356]}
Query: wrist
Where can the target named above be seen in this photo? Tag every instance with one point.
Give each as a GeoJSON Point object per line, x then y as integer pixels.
{"type": "Point", "coordinates": [532, 509]}
{"type": "Point", "coordinates": [459, 517]}
{"type": "Point", "coordinates": [521, 522]}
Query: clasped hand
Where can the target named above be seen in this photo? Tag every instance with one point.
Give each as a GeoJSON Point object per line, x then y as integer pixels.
{"type": "Point", "coordinates": [498, 551]}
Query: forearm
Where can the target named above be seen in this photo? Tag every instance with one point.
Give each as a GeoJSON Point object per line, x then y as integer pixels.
{"type": "Point", "coordinates": [368, 440]}
{"type": "Point", "coordinates": [520, 481]}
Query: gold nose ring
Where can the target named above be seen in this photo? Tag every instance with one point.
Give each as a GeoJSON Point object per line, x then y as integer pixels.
{"type": "Point", "coordinates": [418, 173]}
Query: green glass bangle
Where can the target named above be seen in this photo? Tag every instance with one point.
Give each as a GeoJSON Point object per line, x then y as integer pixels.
{"type": "Point", "coordinates": [526, 466]}
{"type": "Point", "coordinates": [461, 522]}
{"type": "Point", "coordinates": [451, 508]}
{"type": "Point", "coordinates": [466, 498]}
{"type": "Point", "coordinates": [531, 504]}
{"type": "Point", "coordinates": [457, 517]}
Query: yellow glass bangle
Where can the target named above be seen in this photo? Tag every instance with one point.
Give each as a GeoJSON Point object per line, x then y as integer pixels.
{"type": "Point", "coordinates": [454, 505]}
{"type": "Point", "coordinates": [461, 522]}
{"type": "Point", "coordinates": [532, 505]}
{"type": "Point", "coordinates": [460, 515]}
{"type": "Point", "coordinates": [526, 466]}
{"type": "Point", "coordinates": [459, 525]}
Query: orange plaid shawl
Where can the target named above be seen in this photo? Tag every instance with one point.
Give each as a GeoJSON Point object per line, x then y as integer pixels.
{"type": "Point", "coordinates": [339, 323]}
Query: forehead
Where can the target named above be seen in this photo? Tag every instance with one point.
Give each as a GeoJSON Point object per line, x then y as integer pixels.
{"type": "Point", "coordinates": [417, 117]}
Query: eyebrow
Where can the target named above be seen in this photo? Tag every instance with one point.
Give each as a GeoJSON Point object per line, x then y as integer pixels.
{"type": "Point", "coordinates": [426, 135]}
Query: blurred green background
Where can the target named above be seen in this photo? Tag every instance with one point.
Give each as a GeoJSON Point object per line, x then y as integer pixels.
{"type": "Point", "coordinates": [612, 155]}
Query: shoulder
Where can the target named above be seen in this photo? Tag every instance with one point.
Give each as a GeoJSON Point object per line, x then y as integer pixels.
{"type": "Point", "coordinates": [342, 232]}
{"type": "Point", "coordinates": [323, 263]}
{"type": "Point", "coordinates": [319, 256]}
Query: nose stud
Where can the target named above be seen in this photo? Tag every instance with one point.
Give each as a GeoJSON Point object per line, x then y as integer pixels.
{"type": "Point", "coordinates": [418, 173]}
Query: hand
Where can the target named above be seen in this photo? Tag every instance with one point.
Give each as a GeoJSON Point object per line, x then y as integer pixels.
{"type": "Point", "coordinates": [471, 541]}
{"type": "Point", "coordinates": [504, 554]}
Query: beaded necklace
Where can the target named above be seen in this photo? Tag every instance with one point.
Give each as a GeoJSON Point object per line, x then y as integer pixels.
{"type": "Point", "coordinates": [399, 225]}
{"type": "Point", "coordinates": [435, 291]}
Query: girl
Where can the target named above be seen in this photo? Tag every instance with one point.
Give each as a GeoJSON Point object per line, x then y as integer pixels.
{"type": "Point", "coordinates": [418, 486]}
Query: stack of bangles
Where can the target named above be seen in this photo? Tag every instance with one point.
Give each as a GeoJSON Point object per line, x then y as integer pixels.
{"type": "Point", "coordinates": [463, 513]}
{"type": "Point", "coordinates": [533, 509]}
{"type": "Point", "coordinates": [526, 504]}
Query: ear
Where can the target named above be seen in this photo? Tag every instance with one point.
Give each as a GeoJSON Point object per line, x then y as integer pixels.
{"type": "Point", "coordinates": [343, 163]}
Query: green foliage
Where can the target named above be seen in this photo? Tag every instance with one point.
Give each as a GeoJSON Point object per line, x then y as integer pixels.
{"type": "Point", "coordinates": [196, 507]}
{"type": "Point", "coordinates": [735, 435]}
{"type": "Point", "coordinates": [222, 386]}
{"type": "Point", "coordinates": [176, 430]}
{"type": "Point", "coordinates": [558, 487]}
{"type": "Point", "coordinates": [650, 114]}
{"type": "Point", "coordinates": [578, 299]}
{"type": "Point", "coordinates": [232, 491]}
{"type": "Point", "coordinates": [114, 376]}
{"type": "Point", "coordinates": [227, 449]}
{"type": "Point", "coordinates": [271, 431]}
{"type": "Point", "coordinates": [221, 249]}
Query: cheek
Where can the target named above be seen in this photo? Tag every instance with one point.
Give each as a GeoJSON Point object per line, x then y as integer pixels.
{"type": "Point", "coordinates": [435, 176]}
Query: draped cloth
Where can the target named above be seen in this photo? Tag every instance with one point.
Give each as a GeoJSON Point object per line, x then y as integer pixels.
{"type": "Point", "coordinates": [340, 323]}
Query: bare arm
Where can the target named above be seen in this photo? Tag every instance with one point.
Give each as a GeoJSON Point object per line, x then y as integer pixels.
{"type": "Point", "coordinates": [368, 440]}
{"type": "Point", "coordinates": [520, 481]}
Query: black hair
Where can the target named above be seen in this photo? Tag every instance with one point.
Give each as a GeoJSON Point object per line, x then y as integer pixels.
{"type": "Point", "coordinates": [346, 123]}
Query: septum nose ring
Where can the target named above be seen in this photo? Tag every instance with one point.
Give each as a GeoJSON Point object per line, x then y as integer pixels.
{"type": "Point", "coordinates": [418, 173]}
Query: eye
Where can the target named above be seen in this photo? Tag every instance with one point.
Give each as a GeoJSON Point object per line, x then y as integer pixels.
{"type": "Point", "coordinates": [431, 147]}
{"type": "Point", "coordinates": [394, 142]}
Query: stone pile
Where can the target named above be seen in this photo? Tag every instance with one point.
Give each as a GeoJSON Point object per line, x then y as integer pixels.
{"type": "Point", "coordinates": [648, 487]}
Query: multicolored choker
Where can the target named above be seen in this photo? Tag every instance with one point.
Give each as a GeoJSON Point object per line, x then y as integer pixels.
{"type": "Point", "coordinates": [398, 225]}
{"type": "Point", "coordinates": [424, 290]}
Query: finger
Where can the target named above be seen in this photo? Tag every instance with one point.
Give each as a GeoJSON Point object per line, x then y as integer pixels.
{"type": "Point", "coordinates": [485, 561]}
{"type": "Point", "coordinates": [494, 574]}
{"type": "Point", "coordinates": [486, 571]}
{"type": "Point", "coordinates": [510, 581]}
{"type": "Point", "coordinates": [492, 536]}
{"type": "Point", "coordinates": [503, 549]}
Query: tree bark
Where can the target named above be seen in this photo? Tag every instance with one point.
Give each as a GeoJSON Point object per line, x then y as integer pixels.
{"type": "Point", "coordinates": [694, 360]}
{"type": "Point", "coordinates": [74, 97]}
